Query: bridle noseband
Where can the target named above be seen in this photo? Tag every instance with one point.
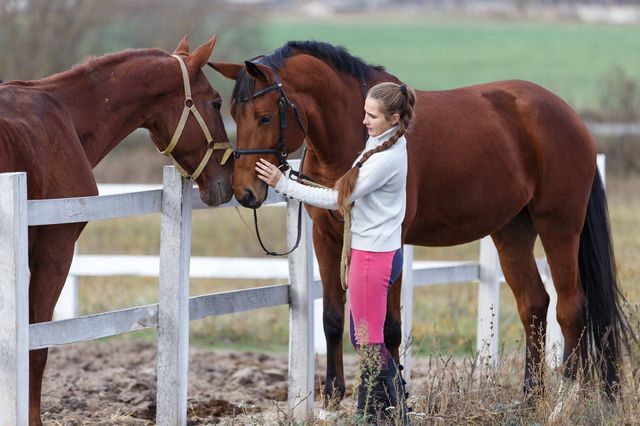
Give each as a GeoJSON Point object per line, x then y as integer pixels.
{"type": "Point", "coordinates": [190, 107]}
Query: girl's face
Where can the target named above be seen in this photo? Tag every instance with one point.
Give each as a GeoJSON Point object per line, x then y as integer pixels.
{"type": "Point", "coordinates": [374, 118]}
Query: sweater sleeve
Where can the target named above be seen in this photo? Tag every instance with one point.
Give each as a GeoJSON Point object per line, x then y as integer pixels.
{"type": "Point", "coordinates": [325, 198]}
{"type": "Point", "coordinates": [373, 174]}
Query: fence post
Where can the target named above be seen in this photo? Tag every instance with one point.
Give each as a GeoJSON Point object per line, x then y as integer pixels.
{"type": "Point", "coordinates": [406, 311]}
{"type": "Point", "coordinates": [301, 338]}
{"type": "Point", "coordinates": [488, 303]}
{"type": "Point", "coordinates": [554, 340]}
{"type": "Point", "coordinates": [173, 299]}
{"type": "Point", "coordinates": [14, 300]}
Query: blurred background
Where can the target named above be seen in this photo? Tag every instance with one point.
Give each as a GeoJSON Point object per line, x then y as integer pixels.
{"type": "Point", "coordinates": [585, 51]}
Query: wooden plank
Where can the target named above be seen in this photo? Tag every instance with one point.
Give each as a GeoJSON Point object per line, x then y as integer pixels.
{"type": "Point", "coordinates": [430, 273]}
{"type": "Point", "coordinates": [238, 301]}
{"type": "Point", "coordinates": [83, 209]}
{"type": "Point", "coordinates": [273, 200]}
{"type": "Point", "coordinates": [112, 189]}
{"type": "Point", "coordinates": [103, 207]}
{"type": "Point", "coordinates": [14, 300]}
{"type": "Point", "coordinates": [406, 311]}
{"type": "Point", "coordinates": [301, 350]}
{"type": "Point", "coordinates": [89, 327]}
{"type": "Point", "coordinates": [201, 267]}
{"type": "Point", "coordinates": [173, 299]}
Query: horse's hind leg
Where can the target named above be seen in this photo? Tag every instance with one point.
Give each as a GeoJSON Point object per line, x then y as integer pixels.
{"type": "Point", "coordinates": [561, 243]}
{"type": "Point", "coordinates": [49, 262]}
{"type": "Point", "coordinates": [515, 243]}
{"type": "Point", "coordinates": [393, 321]}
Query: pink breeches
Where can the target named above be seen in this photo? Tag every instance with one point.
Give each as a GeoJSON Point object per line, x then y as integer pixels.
{"type": "Point", "coordinates": [370, 276]}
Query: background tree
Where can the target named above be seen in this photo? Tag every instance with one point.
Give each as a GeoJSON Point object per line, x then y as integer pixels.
{"type": "Point", "coordinates": [41, 37]}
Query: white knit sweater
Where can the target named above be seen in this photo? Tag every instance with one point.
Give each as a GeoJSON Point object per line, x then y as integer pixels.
{"type": "Point", "coordinates": [379, 195]}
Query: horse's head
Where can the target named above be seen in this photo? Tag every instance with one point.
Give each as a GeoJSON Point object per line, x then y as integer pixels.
{"type": "Point", "coordinates": [269, 125]}
{"type": "Point", "coordinates": [186, 124]}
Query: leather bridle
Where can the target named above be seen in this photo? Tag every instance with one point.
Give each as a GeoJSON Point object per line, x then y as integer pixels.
{"type": "Point", "coordinates": [190, 107]}
{"type": "Point", "coordinates": [280, 151]}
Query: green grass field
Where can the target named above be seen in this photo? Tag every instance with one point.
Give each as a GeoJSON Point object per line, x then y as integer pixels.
{"type": "Point", "coordinates": [570, 59]}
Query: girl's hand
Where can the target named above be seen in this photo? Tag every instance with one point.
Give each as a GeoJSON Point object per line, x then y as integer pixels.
{"type": "Point", "coordinates": [267, 172]}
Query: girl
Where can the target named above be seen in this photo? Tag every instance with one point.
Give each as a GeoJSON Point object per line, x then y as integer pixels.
{"type": "Point", "coordinates": [373, 191]}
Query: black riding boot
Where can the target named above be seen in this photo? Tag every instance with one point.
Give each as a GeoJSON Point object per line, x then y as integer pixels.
{"type": "Point", "coordinates": [382, 397]}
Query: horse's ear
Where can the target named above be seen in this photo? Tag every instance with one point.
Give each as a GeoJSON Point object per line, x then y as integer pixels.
{"type": "Point", "coordinates": [227, 69]}
{"type": "Point", "coordinates": [201, 55]}
{"type": "Point", "coordinates": [183, 47]}
{"type": "Point", "coordinates": [259, 71]}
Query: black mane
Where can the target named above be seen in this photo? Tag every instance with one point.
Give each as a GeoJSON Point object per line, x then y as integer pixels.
{"type": "Point", "coordinates": [337, 56]}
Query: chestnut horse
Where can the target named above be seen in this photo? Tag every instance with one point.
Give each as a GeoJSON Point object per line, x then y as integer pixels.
{"type": "Point", "coordinates": [507, 159]}
{"type": "Point", "coordinates": [58, 128]}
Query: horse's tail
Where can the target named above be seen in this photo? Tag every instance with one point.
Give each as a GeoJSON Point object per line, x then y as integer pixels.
{"type": "Point", "coordinates": [607, 326]}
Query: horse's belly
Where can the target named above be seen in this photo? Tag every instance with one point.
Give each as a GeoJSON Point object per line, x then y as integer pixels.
{"type": "Point", "coordinates": [451, 220]}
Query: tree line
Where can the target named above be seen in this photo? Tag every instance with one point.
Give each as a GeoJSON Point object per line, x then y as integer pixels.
{"type": "Point", "coordinates": [42, 37]}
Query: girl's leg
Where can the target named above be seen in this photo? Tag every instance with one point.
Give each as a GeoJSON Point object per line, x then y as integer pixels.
{"type": "Point", "coordinates": [370, 276]}
{"type": "Point", "coordinates": [381, 385]}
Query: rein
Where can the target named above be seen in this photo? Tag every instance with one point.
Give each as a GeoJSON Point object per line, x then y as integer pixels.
{"type": "Point", "coordinates": [190, 107]}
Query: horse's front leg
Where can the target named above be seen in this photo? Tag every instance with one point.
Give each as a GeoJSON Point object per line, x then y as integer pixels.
{"type": "Point", "coordinates": [49, 262]}
{"type": "Point", "coordinates": [328, 249]}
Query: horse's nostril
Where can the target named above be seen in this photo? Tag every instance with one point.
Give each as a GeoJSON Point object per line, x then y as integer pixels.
{"type": "Point", "coordinates": [249, 199]}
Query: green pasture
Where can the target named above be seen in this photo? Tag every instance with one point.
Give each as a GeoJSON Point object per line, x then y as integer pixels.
{"type": "Point", "coordinates": [570, 59]}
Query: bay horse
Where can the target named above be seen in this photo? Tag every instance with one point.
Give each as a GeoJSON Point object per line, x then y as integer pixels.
{"type": "Point", "coordinates": [507, 159]}
{"type": "Point", "coordinates": [59, 128]}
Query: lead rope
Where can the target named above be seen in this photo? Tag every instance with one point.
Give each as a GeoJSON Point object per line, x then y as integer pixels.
{"type": "Point", "coordinates": [345, 260]}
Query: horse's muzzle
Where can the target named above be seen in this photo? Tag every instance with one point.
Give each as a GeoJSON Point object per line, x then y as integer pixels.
{"type": "Point", "coordinates": [218, 192]}
{"type": "Point", "coordinates": [249, 199]}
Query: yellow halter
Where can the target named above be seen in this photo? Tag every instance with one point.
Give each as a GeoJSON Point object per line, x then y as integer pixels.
{"type": "Point", "coordinates": [190, 107]}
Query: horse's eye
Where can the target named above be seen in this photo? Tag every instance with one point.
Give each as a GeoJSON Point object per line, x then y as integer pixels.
{"type": "Point", "coordinates": [217, 105]}
{"type": "Point", "coordinates": [265, 119]}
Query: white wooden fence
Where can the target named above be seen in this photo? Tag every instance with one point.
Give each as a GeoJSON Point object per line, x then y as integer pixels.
{"type": "Point", "coordinates": [172, 314]}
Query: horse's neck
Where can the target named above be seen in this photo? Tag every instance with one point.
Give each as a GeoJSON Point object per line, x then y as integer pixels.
{"type": "Point", "coordinates": [335, 131]}
{"type": "Point", "coordinates": [103, 113]}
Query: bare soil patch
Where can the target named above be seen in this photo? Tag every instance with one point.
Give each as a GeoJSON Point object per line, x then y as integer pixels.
{"type": "Point", "coordinates": [114, 383]}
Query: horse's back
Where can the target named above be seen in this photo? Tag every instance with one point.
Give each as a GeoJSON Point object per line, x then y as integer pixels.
{"type": "Point", "coordinates": [489, 148]}
{"type": "Point", "coordinates": [37, 137]}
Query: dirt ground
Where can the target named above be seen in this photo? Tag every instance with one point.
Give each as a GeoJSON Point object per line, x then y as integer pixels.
{"type": "Point", "coordinates": [114, 383]}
